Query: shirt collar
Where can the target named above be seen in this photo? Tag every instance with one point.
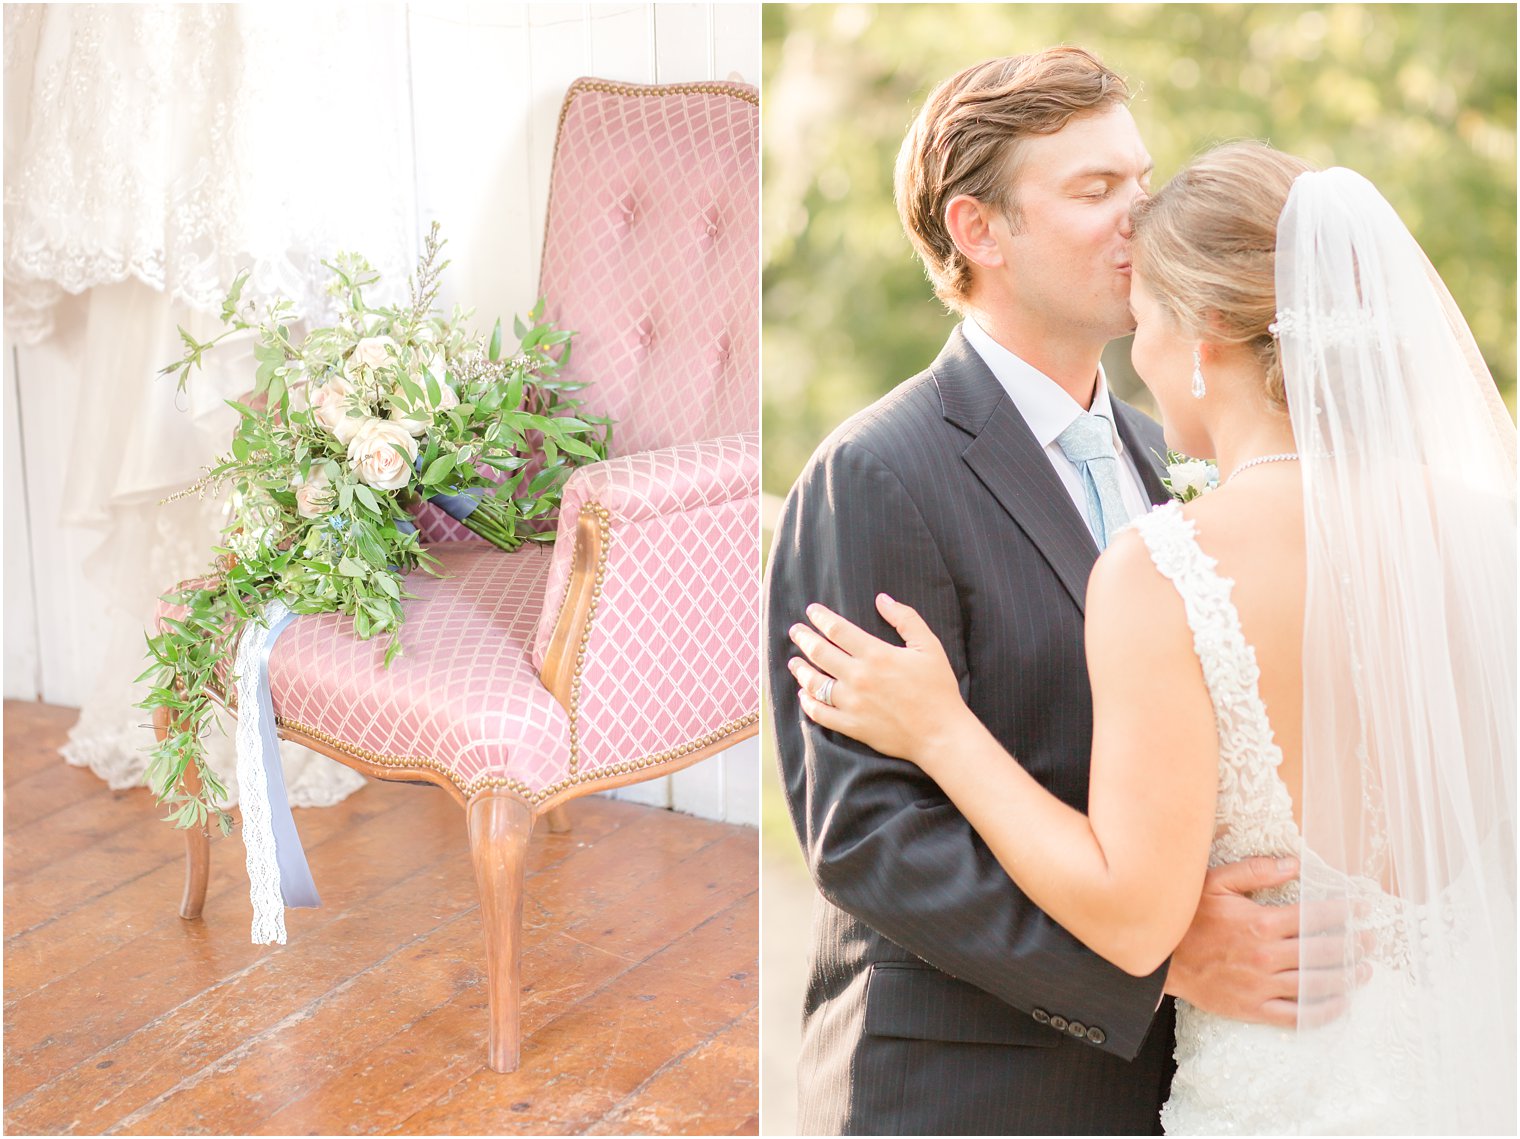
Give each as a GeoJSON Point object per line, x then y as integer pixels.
{"type": "Point", "coordinates": [1042, 402]}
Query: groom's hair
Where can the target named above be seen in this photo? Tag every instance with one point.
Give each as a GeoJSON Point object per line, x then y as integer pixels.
{"type": "Point", "coordinates": [967, 140]}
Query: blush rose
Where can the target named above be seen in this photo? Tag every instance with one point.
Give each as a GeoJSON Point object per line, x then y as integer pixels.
{"type": "Point", "coordinates": [374, 456]}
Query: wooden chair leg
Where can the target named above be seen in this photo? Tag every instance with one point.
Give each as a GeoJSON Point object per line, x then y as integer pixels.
{"type": "Point", "coordinates": [500, 824]}
{"type": "Point", "coordinates": [197, 839]}
{"type": "Point", "coordinates": [558, 819]}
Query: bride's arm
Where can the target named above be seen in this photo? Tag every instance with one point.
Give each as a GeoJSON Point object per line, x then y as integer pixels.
{"type": "Point", "coordinates": [1124, 878]}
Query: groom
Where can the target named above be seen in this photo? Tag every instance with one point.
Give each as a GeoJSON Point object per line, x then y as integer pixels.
{"type": "Point", "coordinates": [941, 1000]}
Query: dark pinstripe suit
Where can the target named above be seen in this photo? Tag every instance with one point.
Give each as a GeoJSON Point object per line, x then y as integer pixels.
{"type": "Point", "coordinates": [933, 979]}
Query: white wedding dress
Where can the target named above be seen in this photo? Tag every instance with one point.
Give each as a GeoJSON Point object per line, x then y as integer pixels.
{"type": "Point", "coordinates": [1363, 1073]}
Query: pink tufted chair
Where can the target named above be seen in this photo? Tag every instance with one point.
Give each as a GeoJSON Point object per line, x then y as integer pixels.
{"type": "Point", "coordinates": [629, 648]}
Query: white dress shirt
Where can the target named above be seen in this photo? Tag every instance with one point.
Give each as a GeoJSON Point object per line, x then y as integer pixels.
{"type": "Point", "coordinates": [1049, 411]}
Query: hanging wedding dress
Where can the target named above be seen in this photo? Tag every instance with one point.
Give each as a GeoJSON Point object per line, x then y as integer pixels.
{"type": "Point", "coordinates": [152, 152]}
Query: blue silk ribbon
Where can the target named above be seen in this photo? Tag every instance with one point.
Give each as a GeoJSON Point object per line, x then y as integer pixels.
{"type": "Point", "coordinates": [296, 885]}
{"type": "Point", "coordinates": [459, 506]}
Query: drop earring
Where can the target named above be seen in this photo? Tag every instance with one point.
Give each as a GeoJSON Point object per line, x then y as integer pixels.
{"type": "Point", "coordinates": [1198, 390]}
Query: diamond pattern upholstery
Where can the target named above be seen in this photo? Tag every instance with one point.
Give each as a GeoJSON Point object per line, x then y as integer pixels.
{"type": "Point", "coordinates": [673, 657]}
{"type": "Point", "coordinates": [651, 253]}
{"type": "Point", "coordinates": [651, 486]}
{"type": "Point", "coordinates": [463, 697]}
{"type": "Point", "coordinates": [672, 652]}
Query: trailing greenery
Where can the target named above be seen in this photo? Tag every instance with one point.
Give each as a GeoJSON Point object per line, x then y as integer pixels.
{"type": "Point", "coordinates": [346, 429]}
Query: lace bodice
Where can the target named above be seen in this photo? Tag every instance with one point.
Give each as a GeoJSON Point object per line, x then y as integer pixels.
{"type": "Point", "coordinates": [1254, 814]}
{"type": "Point", "coordinates": [1362, 1073]}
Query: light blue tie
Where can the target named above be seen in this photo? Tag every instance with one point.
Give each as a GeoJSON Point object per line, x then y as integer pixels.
{"type": "Point", "coordinates": [1089, 444]}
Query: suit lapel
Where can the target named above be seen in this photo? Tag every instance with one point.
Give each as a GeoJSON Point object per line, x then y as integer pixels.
{"type": "Point", "coordinates": [1147, 462]}
{"type": "Point", "coordinates": [1009, 462]}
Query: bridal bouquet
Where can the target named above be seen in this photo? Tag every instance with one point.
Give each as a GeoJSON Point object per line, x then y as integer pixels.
{"type": "Point", "coordinates": [346, 431]}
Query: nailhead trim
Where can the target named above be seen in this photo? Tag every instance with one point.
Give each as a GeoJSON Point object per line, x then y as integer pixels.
{"type": "Point", "coordinates": [611, 87]}
{"type": "Point", "coordinates": [517, 786]}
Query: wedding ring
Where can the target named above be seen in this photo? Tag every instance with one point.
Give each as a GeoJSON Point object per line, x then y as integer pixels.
{"type": "Point", "coordinates": [826, 693]}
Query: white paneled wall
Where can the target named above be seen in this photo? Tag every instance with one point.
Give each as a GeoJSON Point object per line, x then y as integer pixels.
{"type": "Point", "coordinates": [22, 648]}
{"type": "Point", "coordinates": [486, 82]}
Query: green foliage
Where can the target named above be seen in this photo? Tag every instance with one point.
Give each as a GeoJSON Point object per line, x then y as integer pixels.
{"type": "Point", "coordinates": [314, 511]}
{"type": "Point", "coordinates": [1419, 98]}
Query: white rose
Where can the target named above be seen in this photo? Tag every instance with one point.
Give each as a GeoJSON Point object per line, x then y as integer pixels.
{"type": "Point", "coordinates": [373, 455]}
{"type": "Point", "coordinates": [1191, 479]}
{"type": "Point", "coordinates": [330, 406]}
{"type": "Point", "coordinates": [371, 353]}
{"type": "Point", "coordinates": [314, 497]}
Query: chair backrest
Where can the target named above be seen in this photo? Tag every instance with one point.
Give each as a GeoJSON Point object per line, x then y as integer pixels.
{"type": "Point", "coordinates": [651, 254]}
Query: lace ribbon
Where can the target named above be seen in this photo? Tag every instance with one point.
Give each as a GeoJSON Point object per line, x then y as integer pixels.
{"type": "Point", "coordinates": [278, 875]}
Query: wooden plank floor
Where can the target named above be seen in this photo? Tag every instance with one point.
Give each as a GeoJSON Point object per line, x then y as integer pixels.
{"type": "Point", "coordinates": [641, 989]}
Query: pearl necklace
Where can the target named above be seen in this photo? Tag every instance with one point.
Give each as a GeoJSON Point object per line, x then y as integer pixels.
{"type": "Point", "coordinates": [1289, 456]}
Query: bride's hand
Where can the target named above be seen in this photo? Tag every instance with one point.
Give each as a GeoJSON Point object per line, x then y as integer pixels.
{"type": "Point", "coordinates": [898, 701]}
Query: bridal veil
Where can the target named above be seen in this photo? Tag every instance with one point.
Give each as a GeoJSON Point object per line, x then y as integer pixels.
{"type": "Point", "coordinates": [1408, 800]}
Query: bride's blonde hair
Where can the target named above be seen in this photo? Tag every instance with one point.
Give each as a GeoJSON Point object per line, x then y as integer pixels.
{"type": "Point", "coordinates": [1206, 244]}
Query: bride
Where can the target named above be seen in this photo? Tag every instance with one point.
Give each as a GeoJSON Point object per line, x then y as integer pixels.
{"type": "Point", "coordinates": [1327, 664]}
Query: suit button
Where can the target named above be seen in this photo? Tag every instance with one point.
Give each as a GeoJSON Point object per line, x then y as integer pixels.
{"type": "Point", "coordinates": [1097, 1035]}
{"type": "Point", "coordinates": [1041, 1015]}
{"type": "Point", "coordinates": [1058, 1023]}
{"type": "Point", "coordinates": [1077, 1028]}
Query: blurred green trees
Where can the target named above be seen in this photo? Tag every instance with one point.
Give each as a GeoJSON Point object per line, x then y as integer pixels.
{"type": "Point", "coordinates": [1419, 98]}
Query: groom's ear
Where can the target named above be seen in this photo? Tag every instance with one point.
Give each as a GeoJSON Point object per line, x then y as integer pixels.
{"type": "Point", "coordinates": [970, 224]}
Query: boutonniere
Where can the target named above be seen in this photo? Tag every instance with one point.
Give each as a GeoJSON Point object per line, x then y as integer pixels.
{"type": "Point", "coordinates": [1187, 478]}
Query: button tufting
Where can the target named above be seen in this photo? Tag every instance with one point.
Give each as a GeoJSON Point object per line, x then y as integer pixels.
{"type": "Point", "coordinates": [665, 213]}
{"type": "Point", "coordinates": [710, 227]}
{"type": "Point", "coordinates": [626, 208]}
